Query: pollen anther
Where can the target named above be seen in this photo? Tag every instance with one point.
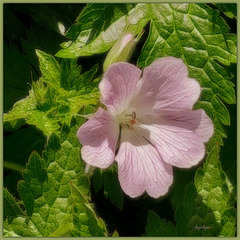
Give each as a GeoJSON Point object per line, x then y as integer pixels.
{"type": "Point", "coordinates": [134, 115]}
{"type": "Point", "coordinates": [133, 121]}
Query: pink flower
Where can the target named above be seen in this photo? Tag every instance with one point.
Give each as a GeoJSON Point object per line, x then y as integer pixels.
{"type": "Point", "coordinates": [151, 113]}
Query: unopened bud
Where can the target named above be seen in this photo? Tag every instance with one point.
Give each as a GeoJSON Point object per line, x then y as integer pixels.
{"type": "Point", "coordinates": [122, 50]}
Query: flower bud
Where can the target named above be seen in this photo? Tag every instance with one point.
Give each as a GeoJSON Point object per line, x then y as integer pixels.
{"type": "Point", "coordinates": [122, 50]}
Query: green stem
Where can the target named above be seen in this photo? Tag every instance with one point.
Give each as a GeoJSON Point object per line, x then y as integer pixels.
{"type": "Point", "coordinates": [13, 166]}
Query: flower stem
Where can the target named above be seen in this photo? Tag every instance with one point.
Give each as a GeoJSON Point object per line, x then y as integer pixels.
{"type": "Point", "coordinates": [13, 166]}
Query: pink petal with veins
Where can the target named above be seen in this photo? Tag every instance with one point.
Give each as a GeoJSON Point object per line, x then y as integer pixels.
{"type": "Point", "coordinates": [166, 86]}
{"type": "Point", "coordinates": [140, 167]}
{"type": "Point", "coordinates": [99, 137]}
{"type": "Point", "coordinates": [177, 146]}
{"type": "Point", "coordinates": [118, 86]}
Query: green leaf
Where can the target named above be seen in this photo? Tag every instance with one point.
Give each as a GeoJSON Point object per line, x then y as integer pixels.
{"type": "Point", "coordinates": [93, 226]}
{"type": "Point", "coordinates": [54, 142]}
{"type": "Point", "coordinates": [22, 227]}
{"type": "Point", "coordinates": [86, 78]}
{"type": "Point", "coordinates": [70, 73]}
{"type": "Point", "coordinates": [96, 18]}
{"type": "Point", "coordinates": [216, 190]}
{"type": "Point", "coordinates": [206, 209]}
{"type": "Point", "coordinates": [60, 94]}
{"type": "Point", "coordinates": [181, 178]}
{"type": "Point", "coordinates": [96, 37]}
{"type": "Point", "coordinates": [39, 37]}
{"type": "Point", "coordinates": [55, 194]}
{"type": "Point", "coordinates": [11, 207]}
{"type": "Point", "coordinates": [157, 227]}
{"type": "Point", "coordinates": [229, 9]}
{"type": "Point", "coordinates": [198, 35]}
{"type": "Point", "coordinates": [8, 230]}
{"type": "Point", "coordinates": [16, 152]}
{"type": "Point", "coordinates": [194, 218]}
{"type": "Point", "coordinates": [97, 179]}
{"type": "Point", "coordinates": [109, 179]}
{"type": "Point", "coordinates": [21, 40]}
{"type": "Point", "coordinates": [50, 69]}
{"type": "Point", "coordinates": [35, 175]}
{"type": "Point", "coordinates": [26, 109]}
{"type": "Point", "coordinates": [112, 187]}
{"type": "Point", "coordinates": [115, 234]}
{"type": "Point", "coordinates": [229, 223]}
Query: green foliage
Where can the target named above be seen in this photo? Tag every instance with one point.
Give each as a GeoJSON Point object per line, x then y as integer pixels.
{"type": "Point", "coordinates": [95, 33]}
{"type": "Point", "coordinates": [229, 9]}
{"type": "Point", "coordinates": [17, 147]}
{"type": "Point", "coordinates": [11, 207]}
{"type": "Point", "coordinates": [159, 227]}
{"type": "Point", "coordinates": [21, 65]}
{"type": "Point", "coordinates": [193, 218]}
{"type": "Point", "coordinates": [60, 94]}
{"type": "Point", "coordinates": [205, 210]}
{"type": "Point", "coordinates": [109, 179]}
{"type": "Point", "coordinates": [115, 234]}
{"type": "Point", "coordinates": [198, 35]}
{"type": "Point", "coordinates": [97, 18]}
{"type": "Point", "coordinates": [95, 227]}
{"type": "Point", "coordinates": [52, 193]}
{"type": "Point", "coordinates": [181, 179]}
{"type": "Point", "coordinates": [216, 191]}
{"type": "Point", "coordinates": [208, 203]}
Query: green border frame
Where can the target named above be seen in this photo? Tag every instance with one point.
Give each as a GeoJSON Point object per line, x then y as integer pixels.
{"type": "Point", "coordinates": [112, 1]}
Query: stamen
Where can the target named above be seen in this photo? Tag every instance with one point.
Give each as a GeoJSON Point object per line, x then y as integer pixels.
{"type": "Point", "coordinates": [134, 116]}
{"type": "Point", "coordinates": [129, 120]}
{"type": "Point", "coordinates": [132, 121]}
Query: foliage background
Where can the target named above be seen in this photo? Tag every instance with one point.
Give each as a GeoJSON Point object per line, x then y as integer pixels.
{"type": "Point", "coordinates": [29, 27]}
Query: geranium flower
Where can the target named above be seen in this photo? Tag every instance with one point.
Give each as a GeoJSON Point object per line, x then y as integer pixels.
{"type": "Point", "coordinates": [151, 115]}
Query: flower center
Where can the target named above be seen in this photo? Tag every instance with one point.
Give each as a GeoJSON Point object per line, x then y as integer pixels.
{"type": "Point", "coordinates": [127, 119]}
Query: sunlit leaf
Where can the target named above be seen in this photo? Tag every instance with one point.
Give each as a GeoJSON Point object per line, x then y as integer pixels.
{"type": "Point", "coordinates": [52, 194]}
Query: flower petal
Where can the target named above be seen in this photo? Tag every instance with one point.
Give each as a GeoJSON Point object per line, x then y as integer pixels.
{"type": "Point", "coordinates": [99, 137]}
{"type": "Point", "coordinates": [118, 86]}
{"type": "Point", "coordinates": [178, 146]}
{"type": "Point", "coordinates": [196, 121]}
{"type": "Point", "coordinates": [166, 86]}
{"type": "Point", "coordinates": [205, 128]}
{"type": "Point", "coordinates": [140, 167]}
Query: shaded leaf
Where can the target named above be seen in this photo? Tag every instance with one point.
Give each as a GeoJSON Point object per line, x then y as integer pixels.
{"type": "Point", "coordinates": [11, 207]}
{"type": "Point", "coordinates": [109, 179]}
{"type": "Point", "coordinates": [97, 18]}
{"type": "Point", "coordinates": [92, 39]}
{"type": "Point", "coordinates": [49, 104]}
{"type": "Point", "coordinates": [216, 190]}
{"type": "Point", "coordinates": [157, 227]}
{"type": "Point", "coordinates": [229, 9]}
{"type": "Point", "coordinates": [206, 209]}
